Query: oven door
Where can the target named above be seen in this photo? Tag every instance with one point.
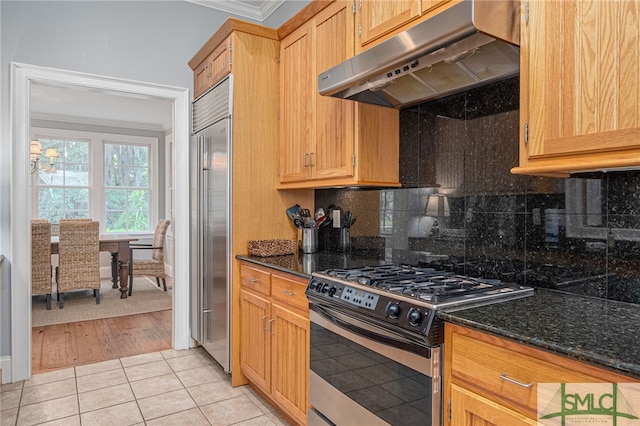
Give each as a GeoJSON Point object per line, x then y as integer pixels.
{"type": "Point", "coordinates": [354, 378]}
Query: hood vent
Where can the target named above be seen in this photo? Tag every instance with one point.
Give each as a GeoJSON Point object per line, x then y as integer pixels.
{"type": "Point", "coordinates": [470, 44]}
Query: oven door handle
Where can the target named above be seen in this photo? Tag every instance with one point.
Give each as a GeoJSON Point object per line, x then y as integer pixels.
{"type": "Point", "coordinates": [374, 333]}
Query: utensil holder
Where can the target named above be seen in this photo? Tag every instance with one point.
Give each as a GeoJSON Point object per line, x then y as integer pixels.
{"type": "Point", "coordinates": [309, 240]}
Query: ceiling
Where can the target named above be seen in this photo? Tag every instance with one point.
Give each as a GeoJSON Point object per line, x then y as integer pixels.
{"type": "Point", "coordinates": [87, 106]}
{"type": "Point", "coordinates": [254, 9]}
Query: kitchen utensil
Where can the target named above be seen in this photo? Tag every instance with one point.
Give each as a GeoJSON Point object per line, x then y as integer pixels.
{"type": "Point", "coordinates": [320, 221]}
{"type": "Point", "coordinates": [304, 212]}
{"type": "Point", "coordinates": [319, 213]}
{"type": "Point", "coordinates": [292, 211]}
{"type": "Point", "coordinates": [298, 222]}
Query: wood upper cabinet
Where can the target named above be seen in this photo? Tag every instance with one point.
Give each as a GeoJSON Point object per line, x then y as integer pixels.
{"type": "Point", "coordinates": [296, 105]}
{"type": "Point", "coordinates": [493, 381]}
{"type": "Point", "coordinates": [580, 86]}
{"type": "Point", "coordinates": [378, 20]}
{"type": "Point", "coordinates": [275, 337]}
{"type": "Point", "coordinates": [327, 141]}
{"type": "Point", "coordinates": [215, 67]}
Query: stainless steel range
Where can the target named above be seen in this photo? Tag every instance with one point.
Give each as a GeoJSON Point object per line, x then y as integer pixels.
{"type": "Point", "coordinates": [376, 340]}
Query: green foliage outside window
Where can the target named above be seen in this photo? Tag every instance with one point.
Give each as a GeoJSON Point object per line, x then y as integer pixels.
{"type": "Point", "coordinates": [126, 177]}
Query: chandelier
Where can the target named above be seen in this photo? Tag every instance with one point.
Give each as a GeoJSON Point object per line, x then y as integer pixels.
{"type": "Point", "coordinates": [36, 152]}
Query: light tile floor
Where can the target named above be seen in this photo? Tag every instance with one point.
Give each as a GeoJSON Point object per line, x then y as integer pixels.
{"type": "Point", "coordinates": [158, 388]}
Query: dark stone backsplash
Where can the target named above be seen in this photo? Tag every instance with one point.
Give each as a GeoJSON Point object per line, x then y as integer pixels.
{"type": "Point", "coordinates": [580, 234]}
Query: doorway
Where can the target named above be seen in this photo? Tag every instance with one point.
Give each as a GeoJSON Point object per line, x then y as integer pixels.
{"type": "Point", "coordinates": [22, 77]}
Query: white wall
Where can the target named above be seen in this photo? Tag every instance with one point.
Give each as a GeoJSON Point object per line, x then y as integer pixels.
{"type": "Point", "coordinates": [149, 41]}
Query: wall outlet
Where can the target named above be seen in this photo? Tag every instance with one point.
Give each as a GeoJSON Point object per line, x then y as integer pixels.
{"type": "Point", "coordinates": [336, 218]}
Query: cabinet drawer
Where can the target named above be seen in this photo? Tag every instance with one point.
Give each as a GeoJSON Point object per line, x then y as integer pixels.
{"type": "Point", "coordinates": [289, 291]}
{"type": "Point", "coordinates": [506, 375]}
{"type": "Point", "coordinates": [255, 279]}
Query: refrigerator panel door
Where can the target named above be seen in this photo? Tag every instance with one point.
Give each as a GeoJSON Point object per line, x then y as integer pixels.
{"type": "Point", "coordinates": [195, 161]}
{"type": "Point", "coordinates": [215, 243]}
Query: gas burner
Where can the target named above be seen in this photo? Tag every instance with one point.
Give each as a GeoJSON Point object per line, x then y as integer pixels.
{"type": "Point", "coordinates": [424, 284]}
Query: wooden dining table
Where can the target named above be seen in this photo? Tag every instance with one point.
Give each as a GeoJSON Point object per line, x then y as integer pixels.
{"type": "Point", "coordinates": [118, 246]}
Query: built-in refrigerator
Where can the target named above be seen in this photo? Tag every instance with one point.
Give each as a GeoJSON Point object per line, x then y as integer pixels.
{"type": "Point", "coordinates": [210, 175]}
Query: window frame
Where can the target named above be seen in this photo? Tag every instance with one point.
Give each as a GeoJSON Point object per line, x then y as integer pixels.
{"type": "Point", "coordinates": [97, 143]}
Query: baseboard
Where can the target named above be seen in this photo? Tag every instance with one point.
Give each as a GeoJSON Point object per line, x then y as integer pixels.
{"type": "Point", "coordinates": [5, 365]}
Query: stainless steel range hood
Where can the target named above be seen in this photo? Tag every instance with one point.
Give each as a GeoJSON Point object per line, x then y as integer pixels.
{"type": "Point", "coordinates": [470, 44]}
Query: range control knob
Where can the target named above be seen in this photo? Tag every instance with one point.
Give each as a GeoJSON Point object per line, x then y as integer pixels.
{"type": "Point", "coordinates": [332, 291]}
{"type": "Point", "coordinates": [393, 310]}
{"type": "Point", "coordinates": [326, 288]}
{"type": "Point", "coordinates": [415, 316]}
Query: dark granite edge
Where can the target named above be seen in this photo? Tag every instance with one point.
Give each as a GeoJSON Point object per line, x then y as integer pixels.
{"type": "Point", "coordinates": [590, 357]}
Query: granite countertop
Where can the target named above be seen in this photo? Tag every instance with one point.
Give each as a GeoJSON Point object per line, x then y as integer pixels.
{"type": "Point", "coordinates": [597, 331]}
{"type": "Point", "coordinates": [304, 265]}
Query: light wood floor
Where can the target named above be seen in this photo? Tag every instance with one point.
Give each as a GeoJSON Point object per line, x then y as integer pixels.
{"type": "Point", "coordinates": [85, 342]}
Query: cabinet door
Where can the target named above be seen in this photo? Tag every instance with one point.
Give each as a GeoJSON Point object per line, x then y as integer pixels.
{"type": "Point", "coordinates": [221, 61]}
{"type": "Point", "coordinates": [332, 155]}
{"type": "Point", "coordinates": [581, 82]}
{"type": "Point", "coordinates": [470, 409]}
{"type": "Point", "coordinates": [296, 105]}
{"type": "Point", "coordinates": [255, 340]}
{"type": "Point", "coordinates": [381, 17]}
{"type": "Point", "coordinates": [216, 66]}
{"type": "Point", "coordinates": [202, 78]}
{"type": "Point", "coordinates": [290, 361]}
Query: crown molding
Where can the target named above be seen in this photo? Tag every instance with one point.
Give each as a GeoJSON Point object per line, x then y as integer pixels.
{"type": "Point", "coordinates": [259, 12]}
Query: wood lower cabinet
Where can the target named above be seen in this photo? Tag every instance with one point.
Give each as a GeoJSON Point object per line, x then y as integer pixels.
{"type": "Point", "coordinates": [471, 409]}
{"type": "Point", "coordinates": [489, 380]}
{"type": "Point", "coordinates": [579, 86]}
{"type": "Point", "coordinates": [325, 141]}
{"type": "Point", "coordinates": [255, 340]}
{"type": "Point", "coordinates": [275, 337]}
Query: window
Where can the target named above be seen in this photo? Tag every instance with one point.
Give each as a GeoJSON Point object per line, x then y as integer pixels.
{"type": "Point", "coordinates": [110, 178]}
{"type": "Point", "coordinates": [386, 212]}
{"type": "Point", "coordinates": [65, 193]}
{"type": "Point", "coordinates": [126, 187]}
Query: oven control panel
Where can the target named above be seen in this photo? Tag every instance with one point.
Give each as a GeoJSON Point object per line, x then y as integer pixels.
{"type": "Point", "coordinates": [359, 297]}
{"type": "Point", "coordinates": [351, 295]}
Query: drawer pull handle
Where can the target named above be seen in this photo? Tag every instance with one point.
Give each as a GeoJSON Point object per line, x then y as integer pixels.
{"type": "Point", "coordinates": [253, 280]}
{"type": "Point", "coordinates": [503, 376]}
{"type": "Point", "coordinates": [288, 293]}
{"type": "Point", "coordinates": [264, 325]}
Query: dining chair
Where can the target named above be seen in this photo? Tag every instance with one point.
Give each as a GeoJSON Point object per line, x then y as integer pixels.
{"type": "Point", "coordinates": [41, 271]}
{"type": "Point", "coordinates": [155, 265]}
{"type": "Point", "coordinates": [79, 258]}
